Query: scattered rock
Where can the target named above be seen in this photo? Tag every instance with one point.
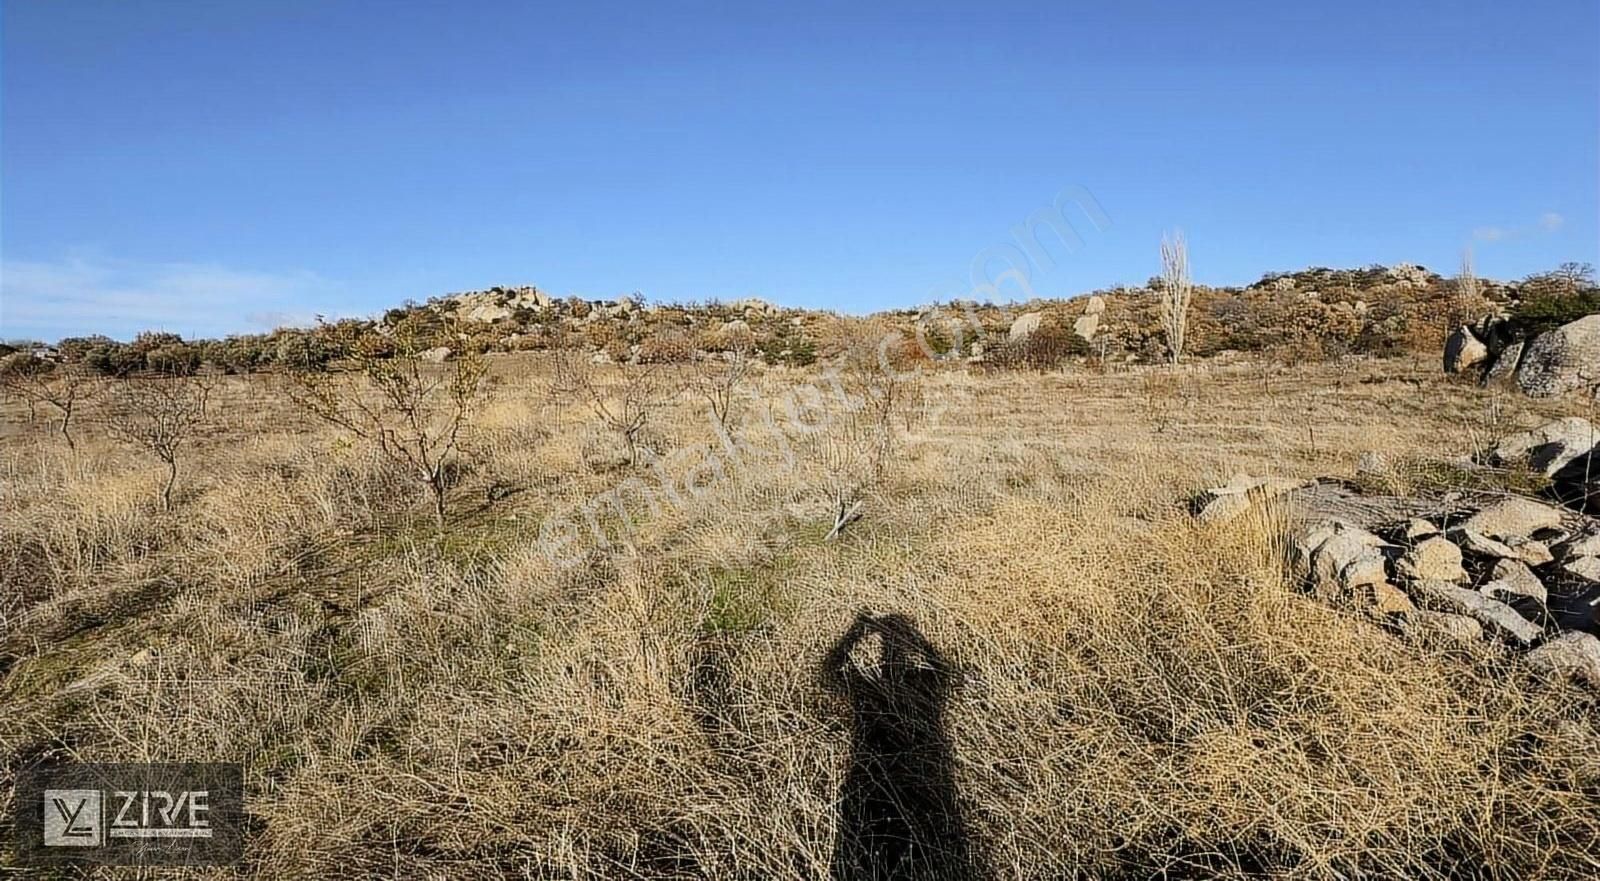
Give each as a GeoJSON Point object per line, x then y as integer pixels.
{"type": "Point", "coordinates": [1437, 627]}
{"type": "Point", "coordinates": [1513, 517]}
{"type": "Point", "coordinates": [1563, 360]}
{"type": "Point", "coordinates": [1349, 558]}
{"type": "Point", "coordinates": [1436, 559]}
{"type": "Point", "coordinates": [1573, 654]}
{"type": "Point", "coordinates": [1493, 614]}
{"type": "Point", "coordinates": [1463, 350]}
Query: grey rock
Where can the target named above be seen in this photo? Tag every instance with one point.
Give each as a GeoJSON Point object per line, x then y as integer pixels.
{"type": "Point", "coordinates": [1512, 579]}
{"type": "Point", "coordinates": [1478, 544]}
{"type": "Point", "coordinates": [1583, 567]}
{"type": "Point", "coordinates": [1548, 448]}
{"type": "Point", "coordinates": [1024, 326]}
{"type": "Point", "coordinates": [1513, 517]}
{"type": "Point", "coordinates": [1574, 654]}
{"type": "Point", "coordinates": [1585, 544]}
{"type": "Point", "coordinates": [1563, 360]}
{"type": "Point", "coordinates": [1427, 626]}
{"type": "Point", "coordinates": [1498, 617]}
{"type": "Point", "coordinates": [1504, 369]}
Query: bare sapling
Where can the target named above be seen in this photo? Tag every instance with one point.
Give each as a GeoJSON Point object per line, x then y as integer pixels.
{"type": "Point", "coordinates": [36, 381]}
{"type": "Point", "coordinates": [395, 391]}
{"type": "Point", "coordinates": [718, 379]}
{"type": "Point", "coordinates": [160, 414]}
{"type": "Point", "coordinates": [855, 445]}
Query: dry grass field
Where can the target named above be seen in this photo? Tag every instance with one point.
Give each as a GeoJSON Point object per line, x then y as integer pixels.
{"type": "Point", "coordinates": [597, 669]}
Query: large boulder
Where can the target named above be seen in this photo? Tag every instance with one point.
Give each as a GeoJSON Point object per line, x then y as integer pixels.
{"type": "Point", "coordinates": [1550, 447]}
{"type": "Point", "coordinates": [1463, 351]}
{"type": "Point", "coordinates": [1024, 326]}
{"type": "Point", "coordinates": [1562, 360]}
{"type": "Point", "coordinates": [1095, 305]}
{"type": "Point", "coordinates": [1086, 325]}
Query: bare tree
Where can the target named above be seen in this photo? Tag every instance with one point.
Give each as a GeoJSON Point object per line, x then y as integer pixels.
{"type": "Point", "coordinates": [1177, 289]}
{"type": "Point", "coordinates": [625, 405]}
{"type": "Point", "coordinates": [160, 414]}
{"type": "Point", "coordinates": [37, 381]}
{"type": "Point", "coordinates": [717, 379]}
{"type": "Point", "coordinates": [412, 399]}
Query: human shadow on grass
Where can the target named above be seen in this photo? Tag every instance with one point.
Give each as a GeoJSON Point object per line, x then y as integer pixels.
{"type": "Point", "coordinates": [900, 815]}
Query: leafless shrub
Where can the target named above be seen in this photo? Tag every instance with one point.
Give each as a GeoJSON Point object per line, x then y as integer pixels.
{"type": "Point", "coordinates": [160, 414]}
{"type": "Point", "coordinates": [718, 378]}
{"type": "Point", "coordinates": [855, 443]}
{"type": "Point", "coordinates": [1175, 293]}
{"type": "Point", "coordinates": [399, 397]}
{"type": "Point", "coordinates": [37, 381]}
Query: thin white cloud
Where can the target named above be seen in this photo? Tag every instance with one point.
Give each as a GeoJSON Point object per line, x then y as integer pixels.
{"type": "Point", "coordinates": [81, 296]}
{"type": "Point", "coordinates": [1548, 222]}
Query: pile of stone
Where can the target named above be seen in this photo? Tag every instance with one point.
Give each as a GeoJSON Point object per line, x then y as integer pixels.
{"type": "Point", "coordinates": [1561, 360]}
{"type": "Point", "coordinates": [1514, 570]}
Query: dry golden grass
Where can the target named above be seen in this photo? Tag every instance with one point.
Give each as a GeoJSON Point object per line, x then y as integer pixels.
{"type": "Point", "coordinates": [1139, 695]}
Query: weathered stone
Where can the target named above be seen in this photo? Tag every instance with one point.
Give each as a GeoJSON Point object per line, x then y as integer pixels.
{"type": "Point", "coordinates": [1440, 627]}
{"type": "Point", "coordinates": [1530, 551]}
{"type": "Point", "coordinates": [1463, 350]}
{"type": "Point", "coordinates": [1434, 558]}
{"type": "Point", "coordinates": [1583, 567]}
{"type": "Point", "coordinates": [1478, 544]}
{"type": "Point", "coordinates": [1513, 517]}
{"type": "Point", "coordinates": [1511, 579]}
{"type": "Point", "coordinates": [1418, 529]}
{"type": "Point", "coordinates": [1493, 614]}
{"type": "Point", "coordinates": [1585, 544]}
{"type": "Point", "coordinates": [1504, 369]}
{"type": "Point", "coordinates": [1548, 448]}
{"type": "Point", "coordinates": [1563, 360]}
{"type": "Point", "coordinates": [1024, 326]}
{"type": "Point", "coordinates": [1086, 325]}
{"type": "Point", "coordinates": [1095, 305]}
{"type": "Point", "coordinates": [435, 355]}
{"type": "Point", "coordinates": [1223, 503]}
{"type": "Point", "coordinates": [1574, 654]}
{"type": "Point", "coordinates": [1372, 462]}
{"type": "Point", "coordinates": [1384, 598]}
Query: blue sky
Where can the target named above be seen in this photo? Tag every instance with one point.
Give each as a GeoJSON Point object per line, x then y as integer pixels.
{"type": "Point", "coordinates": [217, 167]}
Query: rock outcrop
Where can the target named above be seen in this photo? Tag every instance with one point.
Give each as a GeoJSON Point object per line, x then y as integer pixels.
{"type": "Point", "coordinates": [1463, 351]}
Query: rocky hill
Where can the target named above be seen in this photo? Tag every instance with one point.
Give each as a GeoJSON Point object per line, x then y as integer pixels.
{"type": "Point", "coordinates": [1312, 314]}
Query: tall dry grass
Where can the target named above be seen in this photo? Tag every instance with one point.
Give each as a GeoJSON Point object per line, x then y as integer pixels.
{"type": "Point", "coordinates": [1139, 696]}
